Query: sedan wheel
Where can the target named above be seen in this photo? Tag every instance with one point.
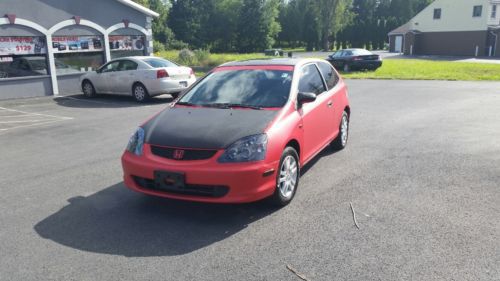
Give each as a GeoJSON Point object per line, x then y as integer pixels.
{"type": "Point", "coordinates": [140, 93]}
{"type": "Point", "coordinates": [88, 89]}
{"type": "Point", "coordinates": [287, 178]}
{"type": "Point", "coordinates": [341, 141]}
{"type": "Point", "coordinates": [347, 68]}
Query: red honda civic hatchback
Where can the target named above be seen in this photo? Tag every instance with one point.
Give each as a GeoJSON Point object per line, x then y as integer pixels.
{"type": "Point", "coordinates": [241, 133]}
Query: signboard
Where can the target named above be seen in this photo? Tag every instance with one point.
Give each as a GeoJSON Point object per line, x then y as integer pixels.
{"type": "Point", "coordinates": [122, 43]}
{"type": "Point", "coordinates": [77, 44]}
{"type": "Point", "coordinates": [15, 45]}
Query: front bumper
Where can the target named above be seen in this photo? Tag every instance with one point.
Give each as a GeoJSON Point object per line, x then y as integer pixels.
{"type": "Point", "coordinates": [206, 180]}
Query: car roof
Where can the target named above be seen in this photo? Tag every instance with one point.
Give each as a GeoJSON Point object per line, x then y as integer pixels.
{"type": "Point", "coordinates": [274, 61]}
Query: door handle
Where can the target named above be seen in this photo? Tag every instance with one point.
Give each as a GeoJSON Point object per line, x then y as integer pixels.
{"type": "Point", "coordinates": [330, 103]}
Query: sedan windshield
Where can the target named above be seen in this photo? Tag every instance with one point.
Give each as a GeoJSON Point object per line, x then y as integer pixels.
{"type": "Point", "coordinates": [251, 88]}
{"type": "Point", "coordinates": [157, 62]}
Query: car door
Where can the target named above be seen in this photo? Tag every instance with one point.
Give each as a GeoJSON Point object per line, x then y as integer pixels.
{"type": "Point", "coordinates": [121, 81]}
{"type": "Point", "coordinates": [338, 59]}
{"type": "Point", "coordinates": [104, 75]}
{"type": "Point", "coordinates": [316, 116]}
{"type": "Point", "coordinates": [334, 92]}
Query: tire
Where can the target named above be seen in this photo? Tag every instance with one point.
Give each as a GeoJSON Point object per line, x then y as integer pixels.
{"type": "Point", "coordinates": [347, 68]}
{"type": "Point", "coordinates": [88, 89]}
{"type": "Point", "coordinates": [340, 142]}
{"type": "Point", "coordinates": [140, 93]}
{"type": "Point", "coordinates": [287, 178]}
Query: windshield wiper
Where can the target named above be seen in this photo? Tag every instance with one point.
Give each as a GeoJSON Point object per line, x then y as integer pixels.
{"type": "Point", "coordinates": [232, 105]}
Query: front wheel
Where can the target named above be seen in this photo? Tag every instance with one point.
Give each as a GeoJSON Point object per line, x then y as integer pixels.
{"type": "Point", "coordinates": [341, 141]}
{"type": "Point", "coordinates": [347, 68]}
{"type": "Point", "coordinates": [287, 178]}
{"type": "Point", "coordinates": [88, 89]}
{"type": "Point", "coordinates": [140, 93]}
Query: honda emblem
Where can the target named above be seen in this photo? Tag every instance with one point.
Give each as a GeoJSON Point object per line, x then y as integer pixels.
{"type": "Point", "coordinates": [178, 154]}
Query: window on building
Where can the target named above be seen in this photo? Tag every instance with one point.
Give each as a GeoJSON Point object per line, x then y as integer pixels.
{"type": "Point", "coordinates": [437, 14]}
{"type": "Point", "coordinates": [23, 56]}
{"type": "Point", "coordinates": [494, 11]}
{"type": "Point", "coordinates": [74, 54]}
{"type": "Point", "coordinates": [127, 45]}
{"type": "Point", "coordinates": [478, 11]}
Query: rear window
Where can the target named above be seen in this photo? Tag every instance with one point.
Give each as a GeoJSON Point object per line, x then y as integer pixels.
{"type": "Point", "coordinates": [362, 53]}
{"type": "Point", "coordinates": [157, 62]}
{"type": "Point", "coordinates": [252, 87]}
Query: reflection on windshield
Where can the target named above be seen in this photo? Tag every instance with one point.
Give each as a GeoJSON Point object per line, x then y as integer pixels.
{"type": "Point", "coordinates": [259, 88]}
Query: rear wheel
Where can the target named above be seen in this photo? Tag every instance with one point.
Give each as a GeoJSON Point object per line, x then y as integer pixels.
{"type": "Point", "coordinates": [88, 89]}
{"type": "Point", "coordinates": [287, 178]}
{"type": "Point", "coordinates": [140, 93]}
{"type": "Point", "coordinates": [341, 141]}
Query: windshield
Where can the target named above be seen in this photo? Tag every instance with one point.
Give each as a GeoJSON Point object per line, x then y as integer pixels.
{"type": "Point", "coordinates": [250, 87]}
{"type": "Point", "coordinates": [156, 63]}
{"type": "Point", "coordinates": [361, 52]}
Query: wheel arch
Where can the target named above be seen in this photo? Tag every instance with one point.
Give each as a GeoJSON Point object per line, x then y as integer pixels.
{"type": "Point", "coordinates": [293, 143]}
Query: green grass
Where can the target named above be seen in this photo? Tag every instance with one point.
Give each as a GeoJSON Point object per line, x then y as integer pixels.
{"type": "Point", "coordinates": [213, 59]}
{"type": "Point", "coordinates": [412, 69]}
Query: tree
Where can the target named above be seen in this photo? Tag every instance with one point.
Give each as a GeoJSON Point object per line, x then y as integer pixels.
{"type": "Point", "coordinates": [258, 25]}
{"type": "Point", "coordinates": [334, 15]}
{"type": "Point", "coordinates": [189, 20]}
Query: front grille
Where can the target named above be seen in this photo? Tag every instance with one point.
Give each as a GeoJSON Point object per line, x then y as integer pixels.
{"type": "Point", "coordinates": [214, 191]}
{"type": "Point", "coordinates": [187, 154]}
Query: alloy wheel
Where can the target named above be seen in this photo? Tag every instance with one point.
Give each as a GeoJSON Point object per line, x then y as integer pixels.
{"type": "Point", "coordinates": [288, 177]}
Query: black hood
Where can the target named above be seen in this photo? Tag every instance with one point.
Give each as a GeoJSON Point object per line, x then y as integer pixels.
{"type": "Point", "coordinates": [205, 128]}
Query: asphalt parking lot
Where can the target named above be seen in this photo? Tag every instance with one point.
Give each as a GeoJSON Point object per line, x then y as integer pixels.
{"type": "Point", "coordinates": [422, 171]}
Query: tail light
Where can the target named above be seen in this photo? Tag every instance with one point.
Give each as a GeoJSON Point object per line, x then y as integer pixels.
{"type": "Point", "coordinates": [191, 72]}
{"type": "Point", "coordinates": [357, 58]}
{"type": "Point", "coordinates": [162, 73]}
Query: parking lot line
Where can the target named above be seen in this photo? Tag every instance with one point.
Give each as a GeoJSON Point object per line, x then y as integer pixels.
{"type": "Point", "coordinates": [39, 114]}
{"type": "Point", "coordinates": [25, 119]}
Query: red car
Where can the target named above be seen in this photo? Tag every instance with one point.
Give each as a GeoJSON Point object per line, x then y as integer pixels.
{"type": "Point", "coordinates": [241, 133]}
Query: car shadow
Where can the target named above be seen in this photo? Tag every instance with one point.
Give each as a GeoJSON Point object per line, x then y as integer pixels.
{"type": "Point", "coordinates": [328, 151]}
{"type": "Point", "coordinates": [108, 101]}
{"type": "Point", "coordinates": [118, 221]}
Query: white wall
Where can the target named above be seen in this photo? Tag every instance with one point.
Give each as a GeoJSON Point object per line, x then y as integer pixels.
{"type": "Point", "coordinates": [456, 15]}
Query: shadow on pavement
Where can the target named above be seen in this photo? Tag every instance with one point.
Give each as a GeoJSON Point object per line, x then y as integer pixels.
{"type": "Point", "coordinates": [118, 221]}
{"type": "Point", "coordinates": [108, 101]}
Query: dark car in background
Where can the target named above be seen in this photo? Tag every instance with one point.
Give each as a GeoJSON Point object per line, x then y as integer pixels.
{"type": "Point", "coordinates": [355, 59]}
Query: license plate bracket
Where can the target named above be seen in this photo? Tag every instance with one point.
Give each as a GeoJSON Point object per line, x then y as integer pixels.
{"type": "Point", "coordinates": [165, 180]}
{"type": "Point", "coordinates": [183, 84]}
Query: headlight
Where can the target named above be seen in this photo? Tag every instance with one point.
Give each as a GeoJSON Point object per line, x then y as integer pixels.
{"type": "Point", "coordinates": [252, 148]}
{"type": "Point", "coordinates": [136, 142]}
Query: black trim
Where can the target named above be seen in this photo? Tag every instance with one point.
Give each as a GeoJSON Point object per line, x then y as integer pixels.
{"type": "Point", "coordinates": [214, 191]}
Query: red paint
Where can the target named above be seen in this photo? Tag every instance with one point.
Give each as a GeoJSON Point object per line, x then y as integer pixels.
{"type": "Point", "coordinates": [12, 18]}
{"type": "Point", "coordinates": [313, 126]}
{"type": "Point", "coordinates": [126, 23]}
{"type": "Point", "coordinates": [77, 19]}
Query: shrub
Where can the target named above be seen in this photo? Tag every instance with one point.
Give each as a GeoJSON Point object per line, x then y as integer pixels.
{"type": "Point", "coordinates": [187, 57]}
{"type": "Point", "coordinates": [158, 46]}
{"type": "Point", "coordinates": [203, 57]}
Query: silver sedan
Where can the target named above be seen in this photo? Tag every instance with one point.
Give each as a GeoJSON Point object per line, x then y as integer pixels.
{"type": "Point", "coordinates": [140, 77]}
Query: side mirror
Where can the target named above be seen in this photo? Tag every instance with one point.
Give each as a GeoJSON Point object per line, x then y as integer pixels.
{"type": "Point", "coordinates": [306, 97]}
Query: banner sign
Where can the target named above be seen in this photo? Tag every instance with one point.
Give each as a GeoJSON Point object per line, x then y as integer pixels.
{"type": "Point", "coordinates": [132, 43]}
{"type": "Point", "coordinates": [15, 45]}
{"type": "Point", "coordinates": [77, 44]}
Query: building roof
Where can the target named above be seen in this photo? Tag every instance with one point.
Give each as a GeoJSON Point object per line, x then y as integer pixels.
{"type": "Point", "coordinates": [405, 28]}
{"type": "Point", "coordinates": [139, 8]}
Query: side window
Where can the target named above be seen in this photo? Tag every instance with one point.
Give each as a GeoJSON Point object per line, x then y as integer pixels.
{"type": "Point", "coordinates": [127, 65]}
{"type": "Point", "coordinates": [477, 11]}
{"type": "Point", "coordinates": [329, 74]}
{"type": "Point", "coordinates": [110, 67]}
{"type": "Point", "coordinates": [310, 80]}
